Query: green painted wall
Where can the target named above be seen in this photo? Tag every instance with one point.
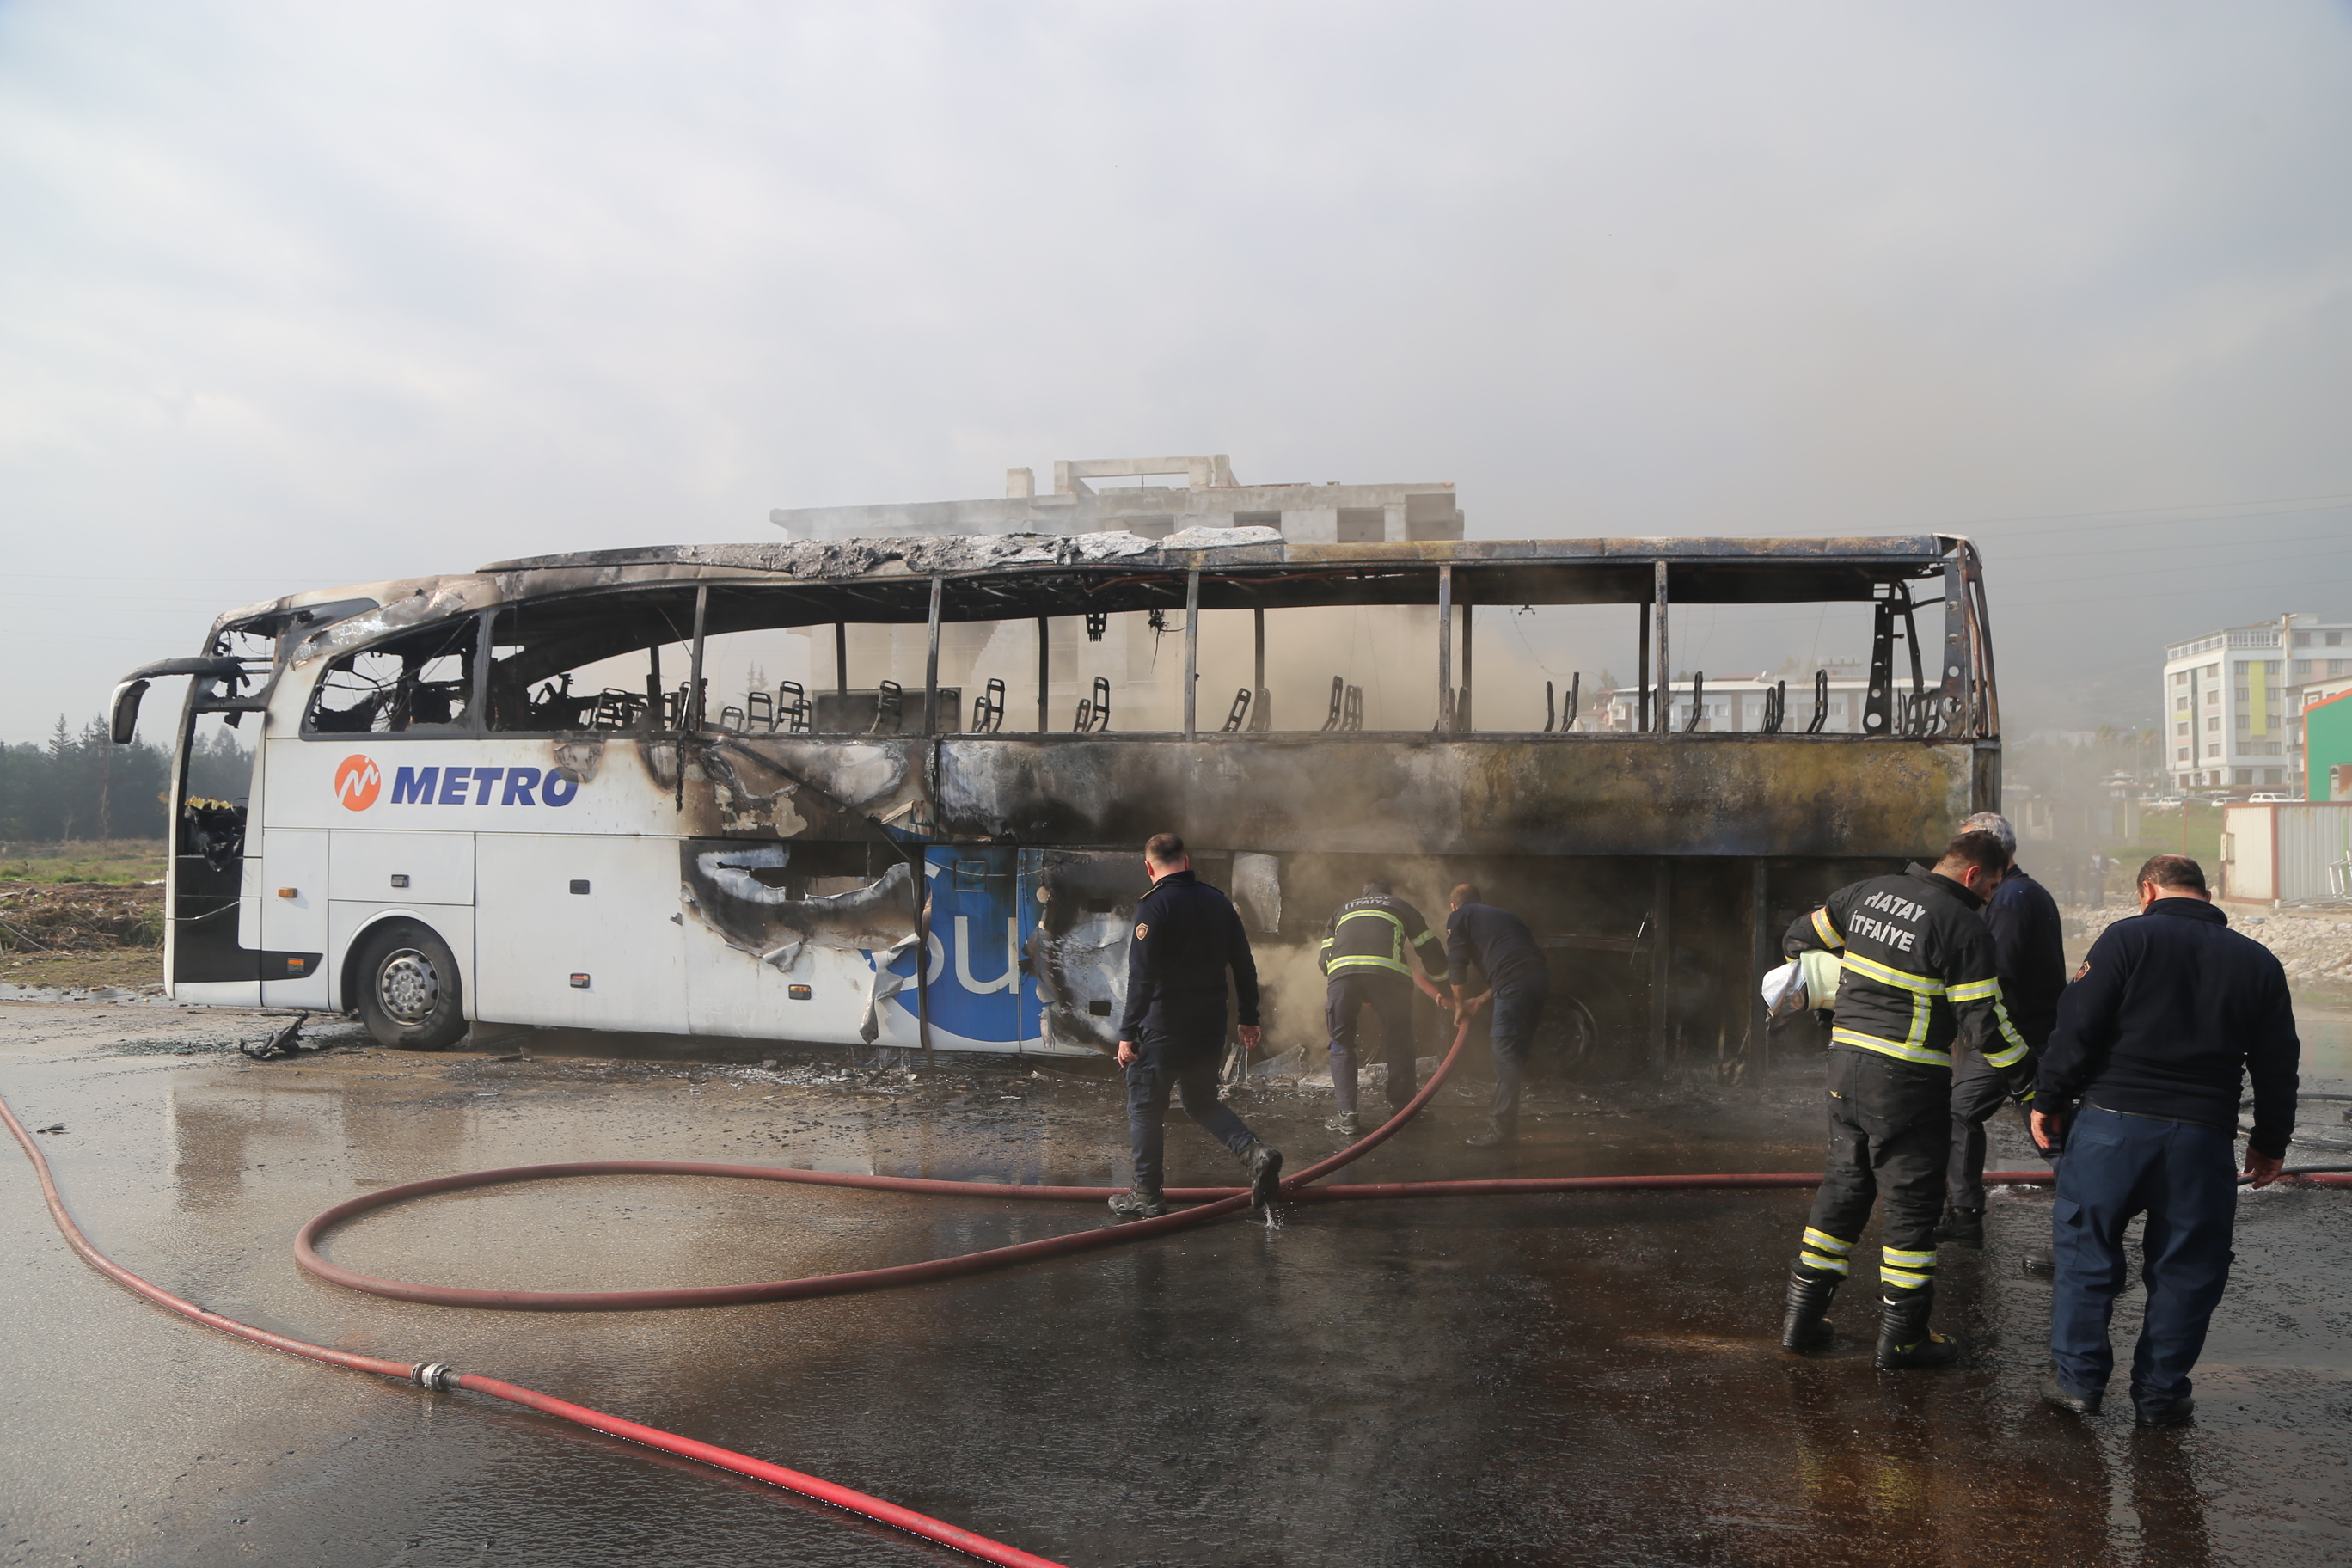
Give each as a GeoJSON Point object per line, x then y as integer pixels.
{"type": "Point", "coordinates": [2327, 742]}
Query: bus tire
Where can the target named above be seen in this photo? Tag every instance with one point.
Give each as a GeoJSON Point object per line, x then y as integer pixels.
{"type": "Point", "coordinates": [405, 981]}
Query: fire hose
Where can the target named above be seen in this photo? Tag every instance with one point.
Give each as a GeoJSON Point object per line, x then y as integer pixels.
{"type": "Point", "coordinates": [1213, 1203]}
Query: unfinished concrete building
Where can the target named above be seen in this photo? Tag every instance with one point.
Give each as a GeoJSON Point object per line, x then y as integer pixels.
{"type": "Point", "coordinates": [1119, 670]}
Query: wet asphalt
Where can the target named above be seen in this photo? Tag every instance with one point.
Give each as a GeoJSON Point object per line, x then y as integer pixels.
{"type": "Point", "coordinates": [1575, 1379]}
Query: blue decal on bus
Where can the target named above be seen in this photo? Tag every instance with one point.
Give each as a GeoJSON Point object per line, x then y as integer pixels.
{"type": "Point", "coordinates": [980, 927]}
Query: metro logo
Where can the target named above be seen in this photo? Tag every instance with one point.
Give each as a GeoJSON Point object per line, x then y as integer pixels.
{"type": "Point", "coordinates": [444, 785]}
{"type": "Point", "coordinates": [358, 782]}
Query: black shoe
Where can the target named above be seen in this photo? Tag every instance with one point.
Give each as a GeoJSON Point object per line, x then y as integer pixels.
{"type": "Point", "coordinates": [2038, 1261]}
{"type": "Point", "coordinates": [1494, 1138]}
{"type": "Point", "coordinates": [1344, 1122]}
{"type": "Point", "coordinates": [2065, 1398]}
{"type": "Point", "coordinates": [1810, 1293]}
{"type": "Point", "coordinates": [1964, 1227]}
{"type": "Point", "coordinates": [1265, 1174]}
{"type": "Point", "coordinates": [1142, 1203]}
{"type": "Point", "coordinates": [2162, 1412]}
{"type": "Point", "coordinates": [1906, 1343]}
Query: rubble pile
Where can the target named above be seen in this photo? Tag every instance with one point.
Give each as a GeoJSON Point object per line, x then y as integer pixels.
{"type": "Point", "coordinates": [2311, 948]}
{"type": "Point", "coordinates": [79, 917]}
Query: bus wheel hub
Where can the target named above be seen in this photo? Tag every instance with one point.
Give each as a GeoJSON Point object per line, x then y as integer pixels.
{"type": "Point", "coordinates": [407, 986]}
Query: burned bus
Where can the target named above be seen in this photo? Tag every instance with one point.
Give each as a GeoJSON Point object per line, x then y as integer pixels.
{"type": "Point", "coordinates": [569, 791]}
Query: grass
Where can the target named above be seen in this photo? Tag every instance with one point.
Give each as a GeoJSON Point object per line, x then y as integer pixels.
{"type": "Point", "coordinates": [125, 967]}
{"type": "Point", "coordinates": [115, 860]}
{"type": "Point", "coordinates": [2167, 833]}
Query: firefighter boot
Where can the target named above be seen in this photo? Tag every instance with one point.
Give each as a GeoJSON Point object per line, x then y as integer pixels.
{"type": "Point", "coordinates": [1906, 1343]}
{"type": "Point", "coordinates": [1964, 1227]}
{"type": "Point", "coordinates": [1143, 1203]}
{"type": "Point", "coordinates": [1811, 1290]}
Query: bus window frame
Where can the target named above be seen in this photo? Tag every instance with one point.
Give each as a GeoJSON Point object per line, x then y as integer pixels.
{"type": "Point", "coordinates": [470, 727]}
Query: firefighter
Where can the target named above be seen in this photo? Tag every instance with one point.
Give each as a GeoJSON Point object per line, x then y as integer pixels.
{"type": "Point", "coordinates": [2030, 948]}
{"type": "Point", "coordinates": [1365, 962]}
{"type": "Point", "coordinates": [1918, 975]}
{"type": "Point", "coordinates": [1518, 984]}
{"type": "Point", "coordinates": [1173, 1032]}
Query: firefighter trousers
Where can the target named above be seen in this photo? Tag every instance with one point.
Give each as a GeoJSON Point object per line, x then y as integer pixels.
{"type": "Point", "coordinates": [1890, 1136]}
{"type": "Point", "coordinates": [1390, 997]}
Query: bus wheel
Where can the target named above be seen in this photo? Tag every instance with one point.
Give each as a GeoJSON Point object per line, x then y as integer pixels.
{"type": "Point", "coordinates": [406, 981]}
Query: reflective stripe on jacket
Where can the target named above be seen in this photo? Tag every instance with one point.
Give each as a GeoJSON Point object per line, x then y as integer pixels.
{"type": "Point", "coordinates": [1918, 973]}
{"type": "Point", "coordinates": [1373, 935]}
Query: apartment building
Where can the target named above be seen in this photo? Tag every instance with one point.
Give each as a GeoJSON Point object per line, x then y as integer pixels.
{"type": "Point", "coordinates": [2233, 700]}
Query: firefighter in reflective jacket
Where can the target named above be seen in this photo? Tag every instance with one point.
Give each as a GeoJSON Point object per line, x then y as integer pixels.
{"type": "Point", "coordinates": [1367, 954]}
{"type": "Point", "coordinates": [1918, 974]}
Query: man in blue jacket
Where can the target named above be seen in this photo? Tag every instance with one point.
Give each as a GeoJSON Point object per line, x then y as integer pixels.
{"type": "Point", "coordinates": [2166, 1016]}
{"type": "Point", "coordinates": [1173, 1033]}
{"type": "Point", "coordinates": [1517, 983]}
{"type": "Point", "coordinates": [2030, 955]}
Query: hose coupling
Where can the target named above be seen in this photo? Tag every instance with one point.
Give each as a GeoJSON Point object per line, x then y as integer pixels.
{"type": "Point", "coordinates": [438, 1377]}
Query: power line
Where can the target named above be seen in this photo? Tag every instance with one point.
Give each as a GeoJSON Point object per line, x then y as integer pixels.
{"type": "Point", "coordinates": [2338, 498]}
{"type": "Point", "coordinates": [2151, 549]}
{"type": "Point", "coordinates": [2205, 592]}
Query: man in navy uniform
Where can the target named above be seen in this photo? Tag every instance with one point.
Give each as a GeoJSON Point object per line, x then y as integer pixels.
{"type": "Point", "coordinates": [1518, 984]}
{"type": "Point", "coordinates": [2170, 1012]}
{"type": "Point", "coordinates": [1172, 1036]}
{"type": "Point", "coordinates": [1367, 952]}
{"type": "Point", "coordinates": [2029, 953]}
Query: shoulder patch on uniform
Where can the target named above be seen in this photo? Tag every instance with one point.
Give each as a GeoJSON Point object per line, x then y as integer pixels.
{"type": "Point", "coordinates": [2085, 969]}
{"type": "Point", "coordinates": [1141, 931]}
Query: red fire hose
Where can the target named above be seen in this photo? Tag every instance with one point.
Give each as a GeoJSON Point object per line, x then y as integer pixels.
{"type": "Point", "coordinates": [1213, 1203]}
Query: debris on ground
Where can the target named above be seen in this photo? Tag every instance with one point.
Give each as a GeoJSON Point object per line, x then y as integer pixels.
{"type": "Point", "coordinates": [79, 917]}
{"type": "Point", "coordinates": [2313, 949]}
{"type": "Point", "coordinates": [285, 1042]}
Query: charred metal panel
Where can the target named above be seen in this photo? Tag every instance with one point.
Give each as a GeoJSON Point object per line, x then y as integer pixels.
{"type": "Point", "coordinates": [1838, 796]}
{"type": "Point", "coordinates": [735, 888]}
{"type": "Point", "coordinates": [1085, 903]}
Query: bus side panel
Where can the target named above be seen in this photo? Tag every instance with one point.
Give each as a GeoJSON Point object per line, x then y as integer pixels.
{"type": "Point", "coordinates": [294, 918]}
{"type": "Point", "coordinates": [601, 907]}
{"type": "Point", "coordinates": [734, 995]}
{"type": "Point", "coordinates": [385, 866]}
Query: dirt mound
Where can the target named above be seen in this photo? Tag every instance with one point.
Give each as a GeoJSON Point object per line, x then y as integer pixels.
{"type": "Point", "coordinates": [79, 917]}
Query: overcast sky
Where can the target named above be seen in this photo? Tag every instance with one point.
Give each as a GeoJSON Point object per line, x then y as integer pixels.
{"type": "Point", "coordinates": [299, 294]}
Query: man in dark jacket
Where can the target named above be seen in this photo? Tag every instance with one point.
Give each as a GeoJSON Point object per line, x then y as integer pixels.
{"type": "Point", "coordinates": [1173, 1033]}
{"type": "Point", "coordinates": [2030, 951]}
{"type": "Point", "coordinates": [2170, 1012]}
{"type": "Point", "coordinates": [1367, 952]}
{"type": "Point", "coordinates": [1517, 983]}
{"type": "Point", "coordinates": [1918, 979]}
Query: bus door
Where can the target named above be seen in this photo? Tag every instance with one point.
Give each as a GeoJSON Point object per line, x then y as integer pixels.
{"type": "Point", "coordinates": [213, 943]}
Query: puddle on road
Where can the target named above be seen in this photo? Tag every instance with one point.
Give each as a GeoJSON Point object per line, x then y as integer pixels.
{"type": "Point", "coordinates": [1569, 1379]}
